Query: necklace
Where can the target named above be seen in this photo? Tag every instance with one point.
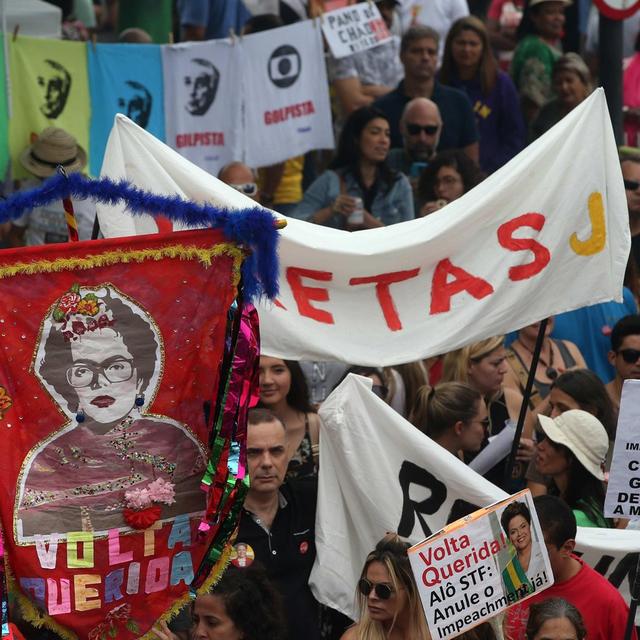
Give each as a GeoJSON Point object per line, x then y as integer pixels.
{"type": "Point", "coordinates": [551, 372]}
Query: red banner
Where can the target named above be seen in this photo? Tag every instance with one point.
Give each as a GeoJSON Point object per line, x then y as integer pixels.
{"type": "Point", "coordinates": [108, 350]}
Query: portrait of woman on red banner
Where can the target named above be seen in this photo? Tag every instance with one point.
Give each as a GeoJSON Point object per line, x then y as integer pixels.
{"type": "Point", "coordinates": [113, 464]}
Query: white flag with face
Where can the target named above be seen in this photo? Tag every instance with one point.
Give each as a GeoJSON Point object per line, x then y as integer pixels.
{"type": "Point", "coordinates": [203, 103]}
{"type": "Point", "coordinates": [287, 110]}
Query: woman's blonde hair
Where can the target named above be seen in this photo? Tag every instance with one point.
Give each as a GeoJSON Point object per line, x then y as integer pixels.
{"type": "Point", "coordinates": [439, 408]}
{"type": "Point", "coordinates": [455, 367]}
{"type": "Point", "coordinates": [391, 551]}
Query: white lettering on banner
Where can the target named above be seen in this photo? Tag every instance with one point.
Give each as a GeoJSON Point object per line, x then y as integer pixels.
{"type": "Point", "coordinates": [355, 28]}
{"type": "Point", "coordinates": [623, 488]}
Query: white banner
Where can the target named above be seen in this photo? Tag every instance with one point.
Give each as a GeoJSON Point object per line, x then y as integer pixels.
{"type": "Point", "coordinates": [355, 28]}
{"type": "Point", "coordinates": [203, 106]}
{"type": "Point", "coordinates": [547, 233]}
{"type": "Point", "coordinates": [378, 473]}
{"type": "Point", "coordinates": [287, 109]}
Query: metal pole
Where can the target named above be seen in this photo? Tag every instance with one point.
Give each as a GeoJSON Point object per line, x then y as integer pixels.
{"type": "Point", "coordinates": [610, 66]}
{"type": "Point", "coordinates": [525, 402]}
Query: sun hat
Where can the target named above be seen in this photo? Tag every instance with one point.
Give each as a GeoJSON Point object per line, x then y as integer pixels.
{"type": "Point", "coordinates": [583, 434]}
{"type": "Point", "coordinates": [52, 147]}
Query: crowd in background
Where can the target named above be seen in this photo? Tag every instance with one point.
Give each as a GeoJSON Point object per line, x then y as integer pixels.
{"type": "Point", "coordinates": [458, 91]}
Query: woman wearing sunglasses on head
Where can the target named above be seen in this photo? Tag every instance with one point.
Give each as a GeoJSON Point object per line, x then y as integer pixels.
{"type": "Point", "coordinates": [388, 597]}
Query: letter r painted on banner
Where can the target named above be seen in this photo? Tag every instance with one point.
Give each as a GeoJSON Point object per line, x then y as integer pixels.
{"type": "Point", "coordinates": [304, 295]}
{"type": "Point", "coordinates": [383, 282]}
{"type": "Point", "coordinates": [596, 242]}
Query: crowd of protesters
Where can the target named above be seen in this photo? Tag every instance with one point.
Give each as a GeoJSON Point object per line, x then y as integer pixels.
{"type": "Point", "coordinates": [458, 91]}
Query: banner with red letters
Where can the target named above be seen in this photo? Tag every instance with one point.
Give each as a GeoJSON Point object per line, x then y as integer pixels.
{"type": "Point", "coordinates": [104, 367]}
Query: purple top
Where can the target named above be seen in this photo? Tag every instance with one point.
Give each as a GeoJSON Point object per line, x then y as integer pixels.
{"type": "Point", "coordinates": [500, 123]}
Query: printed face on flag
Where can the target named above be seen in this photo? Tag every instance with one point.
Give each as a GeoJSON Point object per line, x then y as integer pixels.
{"type": "Point", "coordinates": [201, 86]}
{"type": "Point", "coordinates": [55, 83]}
{"type": "Point", "coordinates": [136, 102]}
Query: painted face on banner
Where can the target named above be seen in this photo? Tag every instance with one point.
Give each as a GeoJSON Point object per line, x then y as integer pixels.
{"type": "Point", "coordinates": [284, 66]}
{"type": "Point", "coordinates": [201, 86]}
{"type": "Point", "coordinates": [137, 106]}
{"type": "Point", "coordinates": [55, 84]}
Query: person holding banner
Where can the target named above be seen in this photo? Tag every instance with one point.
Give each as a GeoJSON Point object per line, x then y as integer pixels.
{"type": "Point", "coordinates": [388, 597]}
{"type": "Point", "coordinates": [359, 190]}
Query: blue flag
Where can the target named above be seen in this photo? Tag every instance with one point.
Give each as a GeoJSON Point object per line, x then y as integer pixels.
{"type": "Point", "coordinates": [124, 78]}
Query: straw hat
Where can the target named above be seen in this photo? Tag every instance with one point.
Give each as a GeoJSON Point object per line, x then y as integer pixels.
{"type": "Point", "coordinates": [583, 434]}
{"type": "Point", "coordinates": [53, 147]}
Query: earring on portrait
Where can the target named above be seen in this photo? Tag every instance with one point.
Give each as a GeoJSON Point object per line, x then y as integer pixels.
{"type": "Point", "coordinates": [80, 415]}
{"type": "Point", "coordinates": [139, 400]}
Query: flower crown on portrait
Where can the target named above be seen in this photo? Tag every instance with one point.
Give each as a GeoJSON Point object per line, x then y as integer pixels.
{"type": "Point", "coordinates": [77, 314]}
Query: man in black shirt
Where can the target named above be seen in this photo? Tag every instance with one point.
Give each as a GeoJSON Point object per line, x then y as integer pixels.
{"type": "Point", "coordinates": [277, 525]}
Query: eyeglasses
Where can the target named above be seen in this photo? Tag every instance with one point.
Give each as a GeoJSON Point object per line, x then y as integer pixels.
{"type": "Point", "coordinates": [383, 591]}
{"type": "Point", "coordinates": [248, 188]}
{"type": "Point", "coordinates": [429, 129]}
{"type": "Point", "coordinates": [630, 356]}
{"type": "Point", "coordinates": [631, 185]}
{"type": "Point", "coordinates": [83, 374]}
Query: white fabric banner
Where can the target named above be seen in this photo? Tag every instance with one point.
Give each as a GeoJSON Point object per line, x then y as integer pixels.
{"type": "Point", "coordinates": [547, 233]}
{"type": "Point", "coordinates": [287, 109]}
{"type": "Point", "coordinates": [203, 106]}
{"type": "Point", "coordinates": [378, 473]}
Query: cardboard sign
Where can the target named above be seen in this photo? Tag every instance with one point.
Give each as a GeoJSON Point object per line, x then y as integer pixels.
{"type": "Point", "coordinates": [353, 29]}
{"type": "Point", "coordinates": [480, 565]}
{"type": "Point", "coordinates": [623, 489]}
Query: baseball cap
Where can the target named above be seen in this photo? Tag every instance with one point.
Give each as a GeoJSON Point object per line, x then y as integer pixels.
{"type": "Point", "coordinates": [583, 434]}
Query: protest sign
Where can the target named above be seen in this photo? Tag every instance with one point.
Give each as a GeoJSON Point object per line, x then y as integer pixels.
{"type": "Point", "coordinates": [353, 29]}
{"type": "Point", "coordinates": [203, 109]}
{"type": "Point", "coordinates": [479, 566]}
{"type": "Point", "coordinates": [414, 487]}
{"type": "Point", "coordinates": [49, 88]}
{"type": "Point", "coordinates": [623, 489]}
{"type": "Point", "coordinates": [545, 234]}
{"type": "Point", "coordinates": [103, 373]}
{"type": "Point", "coordinates": [286, 94]}
{"type": "Point", "coordinates": [124, 79]}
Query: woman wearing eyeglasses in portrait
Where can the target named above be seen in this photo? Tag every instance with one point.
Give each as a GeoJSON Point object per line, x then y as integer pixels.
{"type": "Point", "coordinates": [100, 358]}
{"type": "Point", "coordinates": [449, 176]}
{"type": "Point", "coordinates": [556, 357]}
{"type": "Point", "coordinates": [469, 64]}
{"type": "Point", "coordinates": [388, 599]}
{"type": "Point", "coordinates": [359, 190]}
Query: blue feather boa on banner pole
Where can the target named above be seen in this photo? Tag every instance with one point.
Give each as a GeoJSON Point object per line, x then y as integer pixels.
{"type": "Point", "coordinates": [254, 228]}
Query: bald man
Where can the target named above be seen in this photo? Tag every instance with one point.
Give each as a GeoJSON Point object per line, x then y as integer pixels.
{"type": "Point", "coordinates": [241, 178]}
{"type": "Point", "coordinates": [420, 126]}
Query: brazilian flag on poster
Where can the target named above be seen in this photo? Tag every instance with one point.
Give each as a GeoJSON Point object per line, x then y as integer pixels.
{"type": "Point", "coordinates": [49, 88]}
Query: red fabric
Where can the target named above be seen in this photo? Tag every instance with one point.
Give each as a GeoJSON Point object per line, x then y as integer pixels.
{"type": "Point", "coordinates": [148, 348]}
{"type": "Point", "coordinates": [603, 610]}
{"type": "Point", "coordinates": [495, 8]}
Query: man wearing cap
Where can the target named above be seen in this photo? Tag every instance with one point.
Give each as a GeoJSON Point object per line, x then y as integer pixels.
{"type": "Point", "coordinates": [624, 355]}
{"type": "Point", "coordinates": [46, 224]}
{"type": "Point", "coordinates": [602, 607]}
{"type": "Point", "coordinates": [362, 77]}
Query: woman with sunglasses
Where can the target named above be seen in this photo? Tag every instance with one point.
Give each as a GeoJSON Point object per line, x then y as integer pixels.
{"type": "Point", "coordinates": [572, 452]}
{"type": "Point", "coordinates": [449, 176]}
{"type": "Point", "coordinates": [556, 357]}
{"type": "Point", "coordinates": [388, 597]}
{"type": "Point", "coordinates": [284, 390]}
{"type": "Point", "coordinates": [359, 190]}
{"type": "Point", "coordinates": [454, 415]}
{"type": "Point", "coordinates": [469, 64]}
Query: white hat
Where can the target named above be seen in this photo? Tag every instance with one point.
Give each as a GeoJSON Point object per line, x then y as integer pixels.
{"type": "Point", "coordinates": [583, 434]}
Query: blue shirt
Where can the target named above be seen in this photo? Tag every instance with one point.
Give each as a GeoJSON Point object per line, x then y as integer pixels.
{"type": "Point", "coordinates": [458, 122]}
{"type": "Point", "coordinates": [389, 205]}
{"type": "Point", "coordinates": [217, 16]}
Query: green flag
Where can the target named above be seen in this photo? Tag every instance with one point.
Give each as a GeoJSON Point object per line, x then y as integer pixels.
{"type": "Point", "coordinates": [49, 88]}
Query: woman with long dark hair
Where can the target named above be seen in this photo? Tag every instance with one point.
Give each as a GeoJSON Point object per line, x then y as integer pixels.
{"type": "Point", "coordinates": [469, 64]}
{"type": "Point", "coordinates": [359, 190]}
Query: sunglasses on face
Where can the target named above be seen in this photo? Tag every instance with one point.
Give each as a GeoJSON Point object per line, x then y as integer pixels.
{"type": "Point", "coordinates": [248, 188]}
{"type": "Point", "coordinates": [630, 356]}
{"type": "Point", "coordinates": [382, 591]}
{"type": "Point", "coordinates": [429, 129]}
{"type": "Point", "coordinates": [631, 185]}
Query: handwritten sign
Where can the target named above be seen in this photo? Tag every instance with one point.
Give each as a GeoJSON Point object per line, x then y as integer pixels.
{"type": "Point", "coordinates": [623, 489]}
{"type": "Point", "coordinates": [353, 29]}
{"type": "Point", "coordinates": [481, 565]}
